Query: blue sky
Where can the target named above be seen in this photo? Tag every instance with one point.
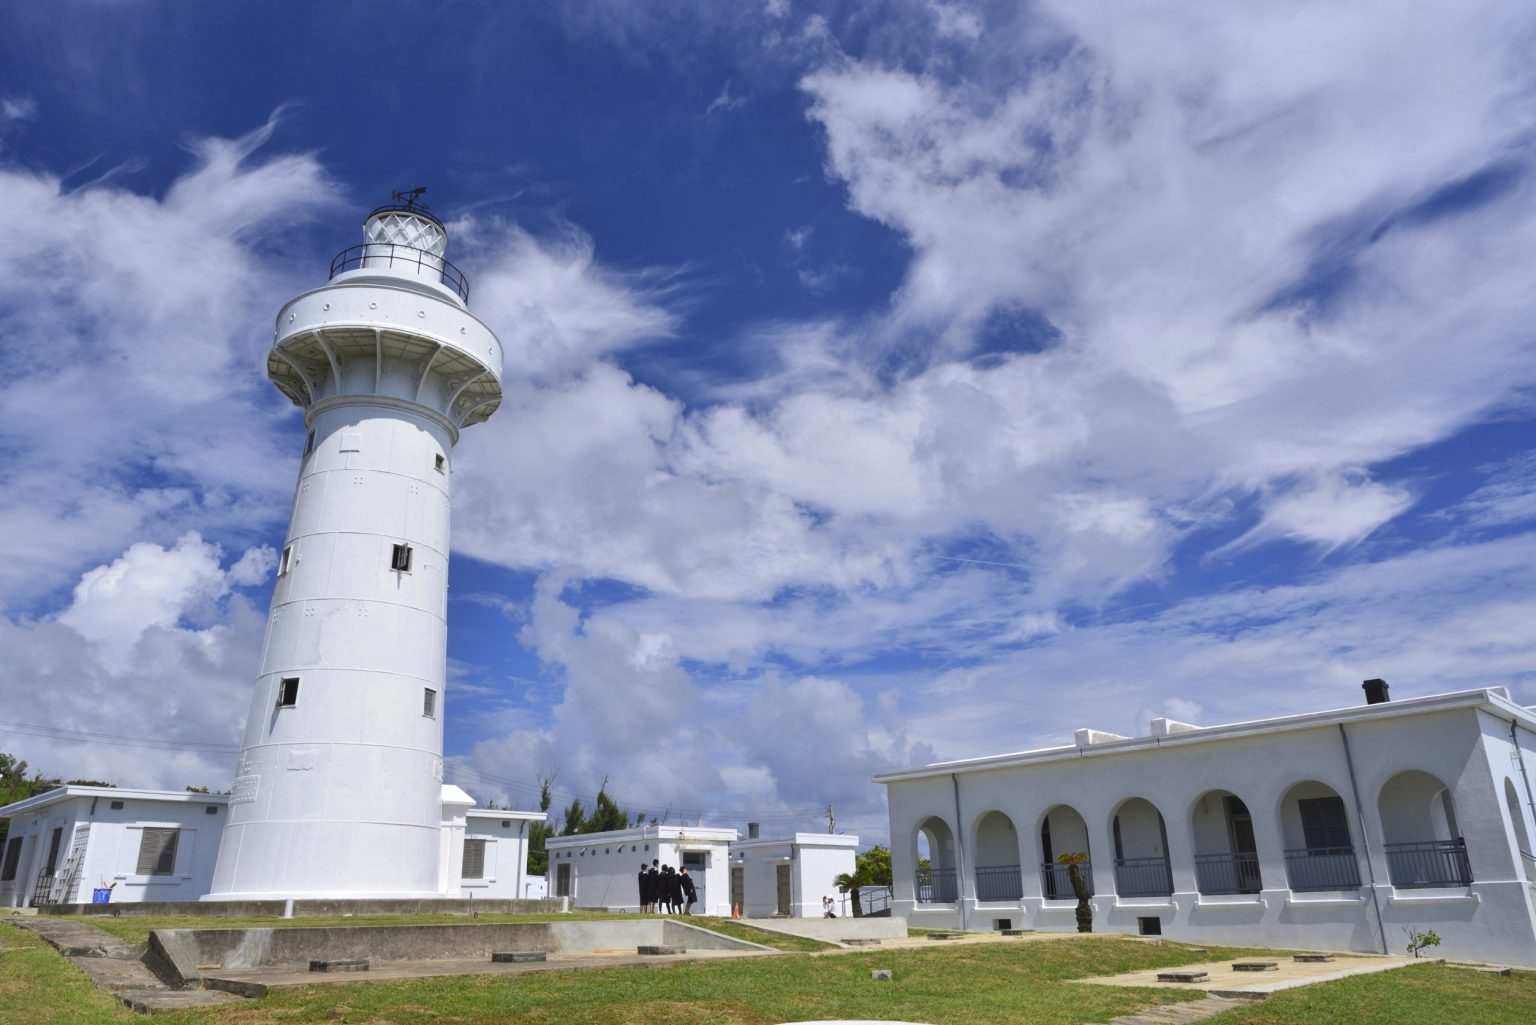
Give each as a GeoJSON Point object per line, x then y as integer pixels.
{"type": "Point", "coordinates": [886, 382]}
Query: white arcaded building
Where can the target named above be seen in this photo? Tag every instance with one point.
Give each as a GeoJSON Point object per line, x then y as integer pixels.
{"type": "Point", "coordinates": [789, 876]}
{"type": "Point", "coordinates": [1341, 830]}
{"type": "Point", "coordinates": [161, 845]}
{"type": "Point", "coordinates": [601, 870]}
{"type": "Point", "coordinates": [338, 789]}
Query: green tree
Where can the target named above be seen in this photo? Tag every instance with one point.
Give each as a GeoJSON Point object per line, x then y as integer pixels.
{"type": "Point", "coordinates": [607, 815]}
{"type": "Point", "coordinates": [875, 864]}
{"type": "Point", "coordinates": [16, 786]}
{"type": "Point", "coordinates": [538, 832]}
{"type": "Point", "coordinates": [872, 868]}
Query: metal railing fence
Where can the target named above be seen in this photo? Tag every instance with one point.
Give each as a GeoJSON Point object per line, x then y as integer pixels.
{"type": "Point", "coordinates": [390, 254]}
{"type": "Point", "coordinates": [999, 882]}
{"type": "Point", "coordinates": [1322, 868]}
{"type": "Point", "coordinates": [936, 886]}
{"type": "Point", "coordinates": [1055, 884]}
{"type": "Point", "coordinates": [1143, 877]}
{"type": "Point", "coordinates": [1228, 873]}
{"type": "Point", "coordinates": [1429, 863]}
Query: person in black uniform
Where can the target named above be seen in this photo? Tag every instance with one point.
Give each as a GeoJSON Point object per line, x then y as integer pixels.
{"type": "Point", "coordinates": [690, 895]}
{"type": "Point", "coordinates": [645, 888]}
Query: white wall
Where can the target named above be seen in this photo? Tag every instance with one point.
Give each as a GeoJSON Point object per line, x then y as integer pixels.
{"type": "Point", "coordinates": [113, 840]}
{"type": "Point", "coordinates": [506, 853]}
{"type": "Point", "coordinates": [814, 860]}
{"type": "Point", "coordinates": [1458, 743]}
{"type": "Point", "coordinates": [605, 866]}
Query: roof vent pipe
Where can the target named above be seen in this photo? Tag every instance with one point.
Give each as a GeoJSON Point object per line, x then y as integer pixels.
{"type": "Point", "coordinates": [1376, 692]}
{"type": "Point", "coordinates": [752, 830]}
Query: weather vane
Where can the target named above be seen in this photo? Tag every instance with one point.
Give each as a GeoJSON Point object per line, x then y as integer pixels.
{"type": "Point", "coordinates": [411, 196]}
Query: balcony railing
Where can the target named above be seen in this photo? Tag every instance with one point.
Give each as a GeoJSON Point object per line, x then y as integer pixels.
{"type": "Point", "coordinates": [1429, 863]}
{"type": "Point", "coordinates": [1055, 884]}
{"type": "Point", "coordinates": [936, 886]}
{"type": "Point", "coordinates": [1228, 873]}
{"type": "Point", "coordinates": [398, 257]}
{"type": "Point", "coordinates": [1322, 868]}
{"type": "Point", "coordinates": [1143, 877]}
{"type": "Point", "coordinates": [999, 882]}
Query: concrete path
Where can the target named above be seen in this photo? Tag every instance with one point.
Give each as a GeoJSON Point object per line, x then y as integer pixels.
{"type": "Point", "coordinates": [1224, 981]}
{"type": "Point", "coordinates": [1180, 1014]}
{"type": "Point", "coordinates": [114, 965]}
{"type": "Point", "coordinates": [259, 982]}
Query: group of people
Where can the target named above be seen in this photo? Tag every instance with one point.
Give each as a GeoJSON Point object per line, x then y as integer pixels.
{"type": "Point", "coordinates": [666, 890]}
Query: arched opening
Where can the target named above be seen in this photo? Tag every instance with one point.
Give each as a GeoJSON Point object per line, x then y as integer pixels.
{"type": "Point", "coordinates": [1226, 855]}
{"type": "Point", "coordinates": [1522, 834]}
{"type": "Point", "coordinates": [1141, 850]}
{"type": "Point", "coordinates": [997, 859]}
{"type": "Point", "coordinates": [935, 849]}
{"type": "Point", "coordinates": [1424, 846]}
{"type": "Point", "coordinates": [1319, 854]}
{"type": "Point", "coordinates": [1062, 831]}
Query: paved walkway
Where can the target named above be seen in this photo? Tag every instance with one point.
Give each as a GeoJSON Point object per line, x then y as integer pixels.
{"type": "Point", "coordinates": [257, 982]}
{"type": "Point", "coordinates": [1225, 981]}
{"type": "Point", "coordinates": [114, 965]}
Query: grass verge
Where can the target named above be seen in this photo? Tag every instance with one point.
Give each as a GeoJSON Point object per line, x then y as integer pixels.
{"type": "Point", "coordinates": [776, 940]}
{"type": "Point", "coordinates": [39, 987]}
{"type": "Point", "coordinates": [1427, 994]}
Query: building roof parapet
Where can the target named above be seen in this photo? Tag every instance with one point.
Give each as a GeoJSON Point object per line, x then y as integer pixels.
{"type": "Point", "coordinates": [1491, 699]}
{"type": "Point", "coordinates": [71, 790]}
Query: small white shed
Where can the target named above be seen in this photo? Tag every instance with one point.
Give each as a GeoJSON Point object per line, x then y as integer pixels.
{"type": "Point", "coordinates": [789, 876]}
{"type": "Point", "coordinates": [601, 870]}
{"type": "Point", "coordinates": [143, 845]}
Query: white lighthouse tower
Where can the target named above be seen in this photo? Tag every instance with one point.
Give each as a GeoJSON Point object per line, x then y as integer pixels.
{"type": "Point", "coordinates": [339, 787]}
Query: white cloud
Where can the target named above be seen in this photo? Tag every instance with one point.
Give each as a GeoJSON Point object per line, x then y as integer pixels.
{"type": "Point", "coordinates": [157, 645]}
{"type": "Point", "coordinates": [133, 402]}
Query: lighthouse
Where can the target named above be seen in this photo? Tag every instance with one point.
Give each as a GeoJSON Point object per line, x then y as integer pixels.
{"type": "Point", "coordinates": [338, 791]}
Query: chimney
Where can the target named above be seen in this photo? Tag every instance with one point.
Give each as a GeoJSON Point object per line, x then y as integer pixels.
{"type": "Point", "coordinates": [1375, 692]}
{"type": "Point", "coordinates": [751, 830]}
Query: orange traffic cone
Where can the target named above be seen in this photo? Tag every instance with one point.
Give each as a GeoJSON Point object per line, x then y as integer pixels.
{"type": "Point", "coordinates": [736, 911]}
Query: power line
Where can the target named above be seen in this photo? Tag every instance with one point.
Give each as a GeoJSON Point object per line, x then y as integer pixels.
{"type": "Point", "coordinates": [563, 796]}
{"type": "Point", "coordinates": [117, 739]}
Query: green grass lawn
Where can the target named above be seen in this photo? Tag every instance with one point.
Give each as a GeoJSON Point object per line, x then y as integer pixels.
{"type": "Point", "coordinates": [1427, 994]}
{"type": "Point", "coordinates": [38, 987]}
{"type": "Point", "coordinates": [971, 984]}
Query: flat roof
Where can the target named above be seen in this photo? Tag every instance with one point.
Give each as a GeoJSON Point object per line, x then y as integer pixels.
{"type": "Point", "coordinates": [492, 813]}
{"type": "Point", "coordinates": [1490, 699]}
{"type": "Point", "coordinates": [68, 791]}
{"type": "Point", "coordinates": [803, 839]}
{"type": "Point", "coordinates": [682, 834]}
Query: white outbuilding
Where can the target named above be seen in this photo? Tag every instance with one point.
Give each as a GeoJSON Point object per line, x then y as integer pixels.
{"type": "Point", "coordinates": [602, 870]}
{"type": "Point", "coordinates": [161, 845]}
{"type": "Point", "coordinates": [789, 876]}
{"type": "Point", "coordinates": [1344, 829]}
{"type": "Point", "coordinates": [141, 845]}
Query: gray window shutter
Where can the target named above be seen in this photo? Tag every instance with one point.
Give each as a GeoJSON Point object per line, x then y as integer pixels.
{"type": "Point", "coordinates": [157, 852]}
{"type": "Point", "coordinates": [474, 859]}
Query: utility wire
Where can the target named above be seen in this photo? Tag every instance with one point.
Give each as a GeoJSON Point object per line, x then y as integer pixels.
{"type": "Point", "coordinates": [456, 768]}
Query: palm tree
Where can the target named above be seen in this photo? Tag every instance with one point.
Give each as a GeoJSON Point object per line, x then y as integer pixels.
{"type": "Point", "coordinates": [851, 884]}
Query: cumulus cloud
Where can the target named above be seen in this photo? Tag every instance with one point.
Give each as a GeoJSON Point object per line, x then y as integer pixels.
{"type": "Point", "coordinates": [133, 404]}
{"type": "Point", "coordinates": [159, 646]}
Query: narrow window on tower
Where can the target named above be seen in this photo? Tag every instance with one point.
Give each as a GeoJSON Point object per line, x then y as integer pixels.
{"type": "Point", "coordinates": [429, 703]}
{"type": "Point", "coordinates": [285, 561]}
{"type": "Point", "coordinates": [309, 443]}
{"type": "Point", "coordinates": [442, 463]}
{"type": "Point", "coordinates": [401, 560]}
{"type": "Point", "coordinates": [288, 692]}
